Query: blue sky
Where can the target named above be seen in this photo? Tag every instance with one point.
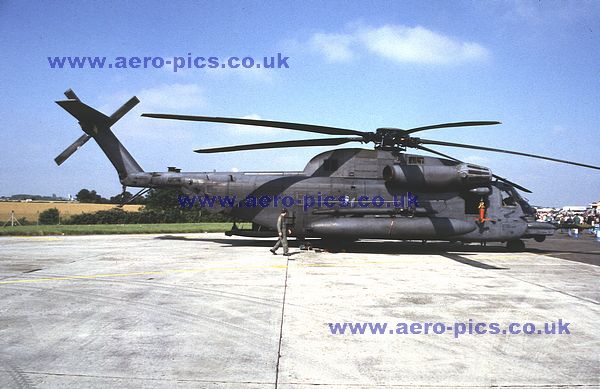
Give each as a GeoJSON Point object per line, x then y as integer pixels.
{"type": "Point", "coordinates": [533, 65]}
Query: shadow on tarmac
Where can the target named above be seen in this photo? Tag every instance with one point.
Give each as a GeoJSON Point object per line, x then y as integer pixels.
{"type": "Point", "coordinates": [585, 249]}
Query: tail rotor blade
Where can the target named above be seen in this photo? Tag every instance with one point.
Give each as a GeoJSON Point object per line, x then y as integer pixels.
{"type": "Point", "coordinates": [119, 113]}
{"type": "Point", "coordinates": [71, 95]}
{"type": "Point", "coordinates": [62, 157]}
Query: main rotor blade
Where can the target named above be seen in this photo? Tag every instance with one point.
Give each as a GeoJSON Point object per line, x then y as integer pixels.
{"type": "Point", "coordinates": [448, 125]}
{"type": "Point", "coordinates": [421, 147]}
{"type": "Point", "coordinates": [466, 146]}
{"type": "Point", "coordinates": [511, 183]}
{"type": "Point", "coordinates": [262, 123]}
{"type": "Point", "coordinates": [275, 145]}
{"type": "Point", "coordinates": [493, 175]}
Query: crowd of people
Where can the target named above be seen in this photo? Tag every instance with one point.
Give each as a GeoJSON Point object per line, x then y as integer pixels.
{"type": "Point", "coordinates": [567, 218]}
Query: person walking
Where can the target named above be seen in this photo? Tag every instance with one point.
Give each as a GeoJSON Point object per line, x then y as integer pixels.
{"type": "Point", "coordinates": [282, 231]}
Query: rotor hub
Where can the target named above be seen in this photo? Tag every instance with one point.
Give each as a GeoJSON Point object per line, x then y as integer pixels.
{"type": "Point", "coordinates": [388, 138]}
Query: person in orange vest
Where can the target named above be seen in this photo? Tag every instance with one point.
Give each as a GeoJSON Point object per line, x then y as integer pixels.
{"type": "Point", "coordinates": [482, 211]}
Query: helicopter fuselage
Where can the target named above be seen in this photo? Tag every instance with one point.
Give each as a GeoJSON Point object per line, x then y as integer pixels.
{"type": "Point", "coordinates": [450, 198]}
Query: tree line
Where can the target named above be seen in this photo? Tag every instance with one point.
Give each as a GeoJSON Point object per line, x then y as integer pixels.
{"type": "Point", "coordinates": [91, 197]}
{"type": "Point", "coordinates": [159, 206]}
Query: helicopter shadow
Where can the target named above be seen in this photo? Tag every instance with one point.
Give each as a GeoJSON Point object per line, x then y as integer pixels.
{"type": "Point", "coordinates": [588, 257]}
{"type": "Point", "coordinates": [444, 249]}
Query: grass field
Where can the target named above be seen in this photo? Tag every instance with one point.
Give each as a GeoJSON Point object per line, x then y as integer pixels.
{"type": "Point", "coordinates": [99, 229]}
{"type": "Point", "coordinates": [31, 210]}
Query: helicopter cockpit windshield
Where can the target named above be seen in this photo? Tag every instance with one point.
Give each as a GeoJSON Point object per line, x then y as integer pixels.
{"type": "Point", "coordinates": [512, 198]}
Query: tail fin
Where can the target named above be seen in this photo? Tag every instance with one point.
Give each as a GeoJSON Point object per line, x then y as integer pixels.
{"type": "Point", "coordinates": [97, 125]}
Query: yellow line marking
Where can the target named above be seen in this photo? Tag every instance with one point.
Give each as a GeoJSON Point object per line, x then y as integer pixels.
{"type": "Point", "coordinates": [36, 237]}
{"type": "Point", "coordinates": [342, 263]}
{"type": "Point", "coordinates": [144, 273]}
{"type": "Point", "coordinates": [175, 271]}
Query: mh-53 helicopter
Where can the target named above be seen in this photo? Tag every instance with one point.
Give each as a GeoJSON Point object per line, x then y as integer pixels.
{"type": "Point", "coordinates": [457, 201]}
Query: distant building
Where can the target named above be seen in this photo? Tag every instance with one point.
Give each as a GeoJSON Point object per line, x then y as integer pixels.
{"type": "Point", "coordinates": [574, 208]}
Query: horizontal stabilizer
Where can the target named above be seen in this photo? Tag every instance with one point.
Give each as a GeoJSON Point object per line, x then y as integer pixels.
{"type": "Point", "coordinates": [83, 113]}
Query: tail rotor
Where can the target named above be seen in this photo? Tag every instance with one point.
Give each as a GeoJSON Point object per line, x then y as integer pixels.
{"type": "Point", "coordinates": [89, 120]}
{"type": "Point", "coordinates": [97, 125]}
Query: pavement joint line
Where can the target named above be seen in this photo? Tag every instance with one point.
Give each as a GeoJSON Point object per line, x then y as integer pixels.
{"type": "Point", "coordinates": [287, 267]}
{"type": "Point", "coordinates": [39, 237]}
{"type": "Point", "coordinates": [139, 378]}
{"type": "Point", "coordinates": [556, 290]}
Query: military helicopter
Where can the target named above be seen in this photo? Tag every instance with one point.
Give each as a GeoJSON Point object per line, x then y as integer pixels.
{"type": "Point", "coordinates": [457, 201]}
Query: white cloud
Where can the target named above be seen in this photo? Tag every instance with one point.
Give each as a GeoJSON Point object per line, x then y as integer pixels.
{"type": "Point", "coordinates": [399, 43]}
{"type": "Point", "coordinates": [419, 45]}
{"type": "Point", "coordinates": [255, 74]}
{"type": "Point", "coordinates": [477, 159]}
{"type": "Point", "coordinates": [173, 97]}
{"type": "Point", "coordinates": [166, 98]}
{"type": "Point", "coordinates": [335, 47]}
{"type": "Point", "coordinates": [540, 12]}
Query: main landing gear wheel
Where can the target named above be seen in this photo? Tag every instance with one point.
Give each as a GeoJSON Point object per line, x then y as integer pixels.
{"type": "Point", "coordinates": [515, 245]}
{"type": "Point", "coordinates": [304, 245]}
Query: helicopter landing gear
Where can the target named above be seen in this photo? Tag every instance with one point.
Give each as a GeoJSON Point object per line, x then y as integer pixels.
{"type": "Point", "coordinates": [304, 245]}
{"type": "Point", "coordinates": [515, 245]}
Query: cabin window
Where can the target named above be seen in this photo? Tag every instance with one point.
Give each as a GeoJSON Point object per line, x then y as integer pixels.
{"type": "Point", "coordinates": [330, 165]}
{"type": "Point", "coordinates": [416, 160]}
{"type": "Point", "coordinates": [472, 204]}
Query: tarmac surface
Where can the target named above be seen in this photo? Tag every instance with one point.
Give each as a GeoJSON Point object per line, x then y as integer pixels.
{"type": "Point", "coordinates": [209, 311]}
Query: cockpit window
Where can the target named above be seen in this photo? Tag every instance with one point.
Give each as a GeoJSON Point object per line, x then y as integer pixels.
{"type": "Point", "coordinates": [508, 200]}
{"type": "Point", "coordinates": [511, 198]}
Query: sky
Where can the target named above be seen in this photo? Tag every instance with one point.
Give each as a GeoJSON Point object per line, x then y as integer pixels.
{"type": "Point", "coordinates": [533, 65]}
